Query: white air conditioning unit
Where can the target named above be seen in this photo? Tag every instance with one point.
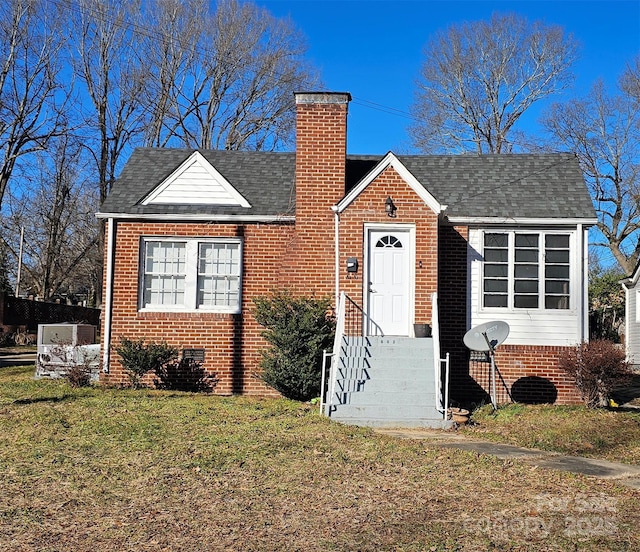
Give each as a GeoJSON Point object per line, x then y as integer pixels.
{"type": "Point", "coordinates": [62, 346]}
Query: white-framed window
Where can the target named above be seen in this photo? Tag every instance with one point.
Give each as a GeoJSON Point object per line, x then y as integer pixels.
{"type": "Point", "coordinates": [637, 305]}
{"type": "Point", "coordinates": [191, 274]}
{"type": "Point", "coordinates": [526, 270]}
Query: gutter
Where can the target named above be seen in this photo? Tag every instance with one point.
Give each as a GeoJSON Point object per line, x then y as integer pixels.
{"type": "Point", "coordinates": [197, 217]}
{"type": "Point", "coordinates": [523, 221]}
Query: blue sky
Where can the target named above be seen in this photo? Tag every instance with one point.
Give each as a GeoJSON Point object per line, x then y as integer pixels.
{"type": "Point", "coordinates": [374, 50]}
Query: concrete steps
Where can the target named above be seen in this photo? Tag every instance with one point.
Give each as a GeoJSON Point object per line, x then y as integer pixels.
{"type": "Point", "coordinates": [386, 382]}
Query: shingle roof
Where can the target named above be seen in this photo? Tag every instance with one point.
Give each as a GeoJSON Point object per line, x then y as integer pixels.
{"type": "Point", "coordinates": [506, 185]}
{"type": "Point", "coordinates": [265, 179]}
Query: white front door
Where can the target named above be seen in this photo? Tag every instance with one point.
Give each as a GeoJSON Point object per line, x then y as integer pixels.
{"type": "Point", "coordinates": [389, 277]}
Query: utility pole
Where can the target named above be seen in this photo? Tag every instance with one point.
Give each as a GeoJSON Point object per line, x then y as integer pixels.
{"type": "Point", "coordinates": [19, 262]}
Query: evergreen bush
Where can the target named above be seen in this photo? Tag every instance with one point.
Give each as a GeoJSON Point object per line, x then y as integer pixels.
{"type": "Point", "coordinates": [139, 359]}
{"type": "Point", "coordinates": [185, 375]}
{"type": "Point", "coordinates": [297, 329]}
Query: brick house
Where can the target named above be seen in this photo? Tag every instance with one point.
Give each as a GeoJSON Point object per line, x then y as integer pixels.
{"type": "Point", "coordinates": [194, 236]}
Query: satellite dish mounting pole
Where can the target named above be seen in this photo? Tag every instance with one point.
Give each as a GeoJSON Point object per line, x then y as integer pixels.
{"type": "Point", "coordinates": [492, 351]}
{"type": "Point", "coordinates": [486, 337]}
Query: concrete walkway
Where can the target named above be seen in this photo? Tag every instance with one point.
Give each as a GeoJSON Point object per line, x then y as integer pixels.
{"type": "Point", "coordinates": [624, 474]}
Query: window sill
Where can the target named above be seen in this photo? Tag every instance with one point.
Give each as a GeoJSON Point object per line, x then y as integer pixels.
{"type": "Point", "coordinates": [157, 314]}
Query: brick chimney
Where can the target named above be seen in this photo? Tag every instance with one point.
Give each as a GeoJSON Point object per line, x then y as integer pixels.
{"type": "Point", "coordinates": [321, 149]}
{"type": "Point", "coordinates": [321, 152]}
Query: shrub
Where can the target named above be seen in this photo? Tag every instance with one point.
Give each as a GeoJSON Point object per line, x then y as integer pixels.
{"type": "Point", "coordinates": [297, 329]}
{"type": "Point", "coordinates": [185, 375]}
{"type": "Point", "coordinates": [596, 367]}
{"type": "Point", "coordinates": [79, 375]}
{"type": "Point", "coordinates": [139, 359]}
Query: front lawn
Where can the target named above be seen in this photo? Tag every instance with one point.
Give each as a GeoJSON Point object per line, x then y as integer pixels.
{"type": "Point", "coordinates": [104, 469]}
{"type": "Point", "coordinates": [611, 434]}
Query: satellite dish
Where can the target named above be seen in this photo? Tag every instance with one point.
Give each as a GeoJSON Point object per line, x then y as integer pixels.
{"type": "Point", "coordinates": [487, 336]}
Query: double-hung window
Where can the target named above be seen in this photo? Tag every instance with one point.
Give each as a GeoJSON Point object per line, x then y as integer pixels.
{"type": "Point", "coordinates": [191, 274]}
{"type": "Point", "coordinates": [526, 270]}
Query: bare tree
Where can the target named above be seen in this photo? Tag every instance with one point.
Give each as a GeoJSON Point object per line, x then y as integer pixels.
{"type": "Point", "coordinates": [479, 78]}
{"type": "Point", "coordinates": [32, 98]}
{"type": "Point", "coordinates": [232, 87]}
{"type": "Point", "coordinates": [57, 213]}
{"type": "Point", "coordinates": [604, 131]}
{"type": "Point", "coordinates": [630, 81]}
{"type": "Point", "coordinates": [171, 47]}
{"type": "Point", "coordinates": [108, 61]}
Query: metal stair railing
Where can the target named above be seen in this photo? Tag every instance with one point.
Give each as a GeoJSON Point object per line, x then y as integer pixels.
{"type": "Point", "coordinates": [349, 322]}
{"type": "Point", "coordinates": [439, 364]}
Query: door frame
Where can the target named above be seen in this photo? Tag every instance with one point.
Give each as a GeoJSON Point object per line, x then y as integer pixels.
{"type": "Point", "coordinates": [410, 230]}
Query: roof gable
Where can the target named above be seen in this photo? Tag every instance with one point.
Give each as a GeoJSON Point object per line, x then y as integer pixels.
{"type": "Point", "coordinates": [390, 160]}
{"type": "Point", "coordinates": [195, 181]}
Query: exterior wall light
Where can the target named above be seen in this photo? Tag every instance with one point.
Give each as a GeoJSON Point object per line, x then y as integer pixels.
{"type": "Point", "coordinates": [390, 207]}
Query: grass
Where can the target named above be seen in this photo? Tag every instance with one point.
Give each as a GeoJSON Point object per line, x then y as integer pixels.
{"type": "Point", "coordinates": [104, 469]}
{"type": "Point", "coordinates": [599, 433]}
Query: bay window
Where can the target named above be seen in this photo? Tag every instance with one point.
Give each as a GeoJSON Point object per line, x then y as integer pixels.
{"type": "Point", "coordinates": [526, 270]}
{"type": "Point", "coordinates": [191, 274]}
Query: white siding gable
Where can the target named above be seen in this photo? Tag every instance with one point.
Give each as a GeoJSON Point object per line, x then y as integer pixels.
{"type": "Point", "coordinates": [196, 181]}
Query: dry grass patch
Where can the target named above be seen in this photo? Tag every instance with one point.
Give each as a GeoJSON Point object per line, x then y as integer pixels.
{"type": "Point", "coordinates": [100, 469]}
{"type": "Point", "coordinates": [600, 433]}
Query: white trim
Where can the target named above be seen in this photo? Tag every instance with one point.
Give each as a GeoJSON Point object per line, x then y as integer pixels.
{"type": "Point", "coordinates": [632, 280]}
{"type": "Point", "coordinates": [234, 198]}
{"type": "Point", "coordinates": [631, 324]}
{"type": "Point", "coordinates": [390, 160]}
{"type": "Point", "coordinates": [583, 236]}
{"type": "Point", "coordinates": [575, 277]}
{"type": "Point", "coordinates": [192, 245]}
{"type": "Point", "coordinates": [369, 227]}
{"type": "Point", "coordinates": [197, 217]}
{"type": "Point", "coordinates": [521, 220]}
{"type": "Point", "coordinates": [108, 299]}
{"type": "Point", "coordinates": [627, 320]}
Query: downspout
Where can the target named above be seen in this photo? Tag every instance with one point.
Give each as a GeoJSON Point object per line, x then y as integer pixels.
{"type": "Point", "coordinates": [108, 299]}
{"type": "Point", "coordinates": [336, 246]}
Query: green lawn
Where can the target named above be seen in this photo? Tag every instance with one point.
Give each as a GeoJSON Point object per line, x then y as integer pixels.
{"type": "Point", "coordinates": [105, 469]}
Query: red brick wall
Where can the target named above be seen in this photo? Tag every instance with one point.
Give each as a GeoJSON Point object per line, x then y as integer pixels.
{"type": "Point", "coordinates": [231, 341]}
{"type": "Point", "coordinates": [368, 207]}
{"type": "Point", "coordinates": [529, 372]}
{"type": "Point", "coordinates": [275, 256]}
{"type": "Point", "coordinates": [321, 150]}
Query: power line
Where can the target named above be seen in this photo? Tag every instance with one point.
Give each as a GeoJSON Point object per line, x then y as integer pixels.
{"type": "Point", "coordinates": [385, 109]}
